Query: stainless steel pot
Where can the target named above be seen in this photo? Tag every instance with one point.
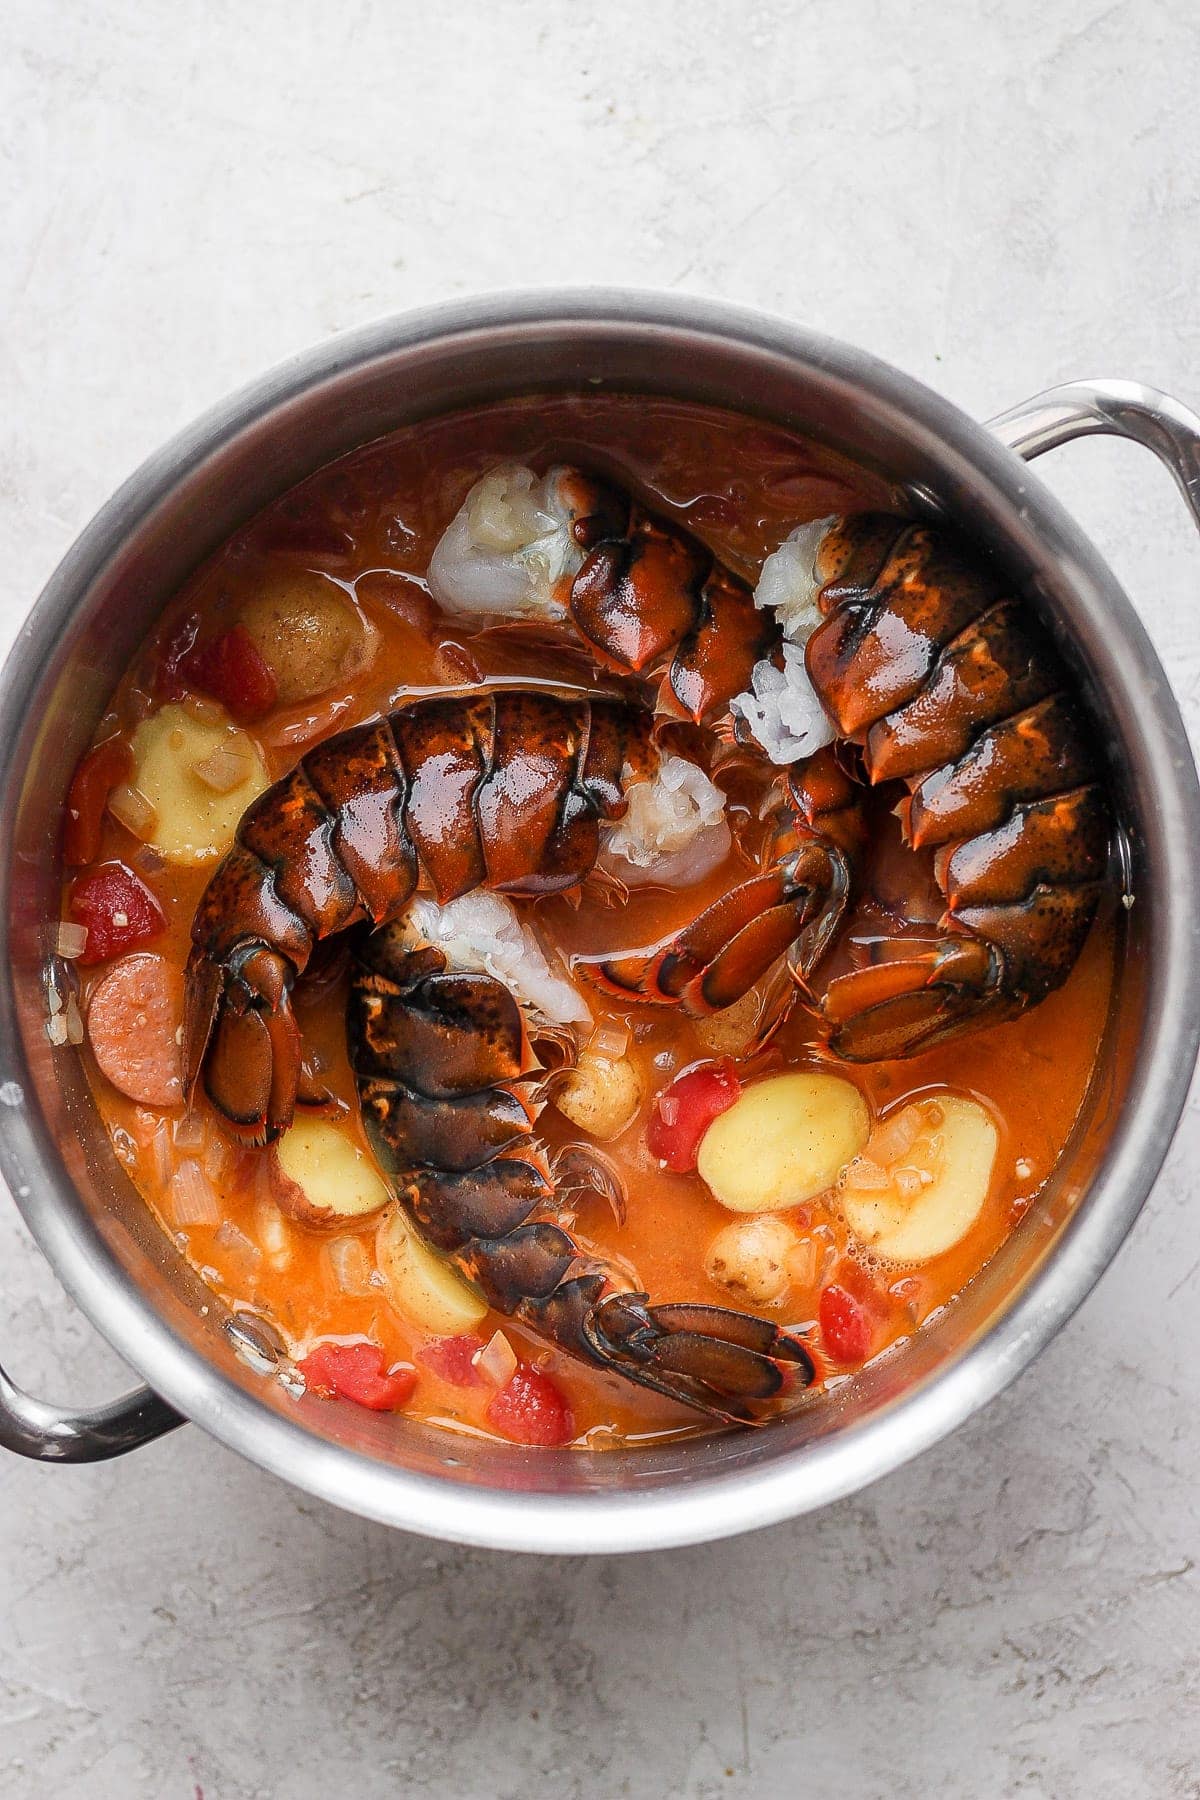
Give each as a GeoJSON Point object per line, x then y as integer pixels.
{"type": "Point", "coordinates": [126, 1274]}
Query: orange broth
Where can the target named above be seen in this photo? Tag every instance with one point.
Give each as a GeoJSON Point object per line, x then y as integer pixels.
{"type": "Point", "coordinates": [371, 522]}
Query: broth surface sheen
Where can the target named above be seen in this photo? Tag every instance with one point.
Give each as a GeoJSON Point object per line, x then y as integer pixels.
{"type": "Point", "coordinates": [368, 525]}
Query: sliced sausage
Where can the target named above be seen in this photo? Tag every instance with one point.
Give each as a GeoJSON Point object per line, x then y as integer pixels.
{"type": "Point", "coordinates": [134, 1021]}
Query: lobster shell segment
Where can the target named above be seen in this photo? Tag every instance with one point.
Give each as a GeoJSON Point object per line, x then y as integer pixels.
{"type": "Point", "coordinates": [652, 597]}
{"type": "Point", "coordinates": [456, 1139]}
{"type": "Point", "coordinates": [950, 684]}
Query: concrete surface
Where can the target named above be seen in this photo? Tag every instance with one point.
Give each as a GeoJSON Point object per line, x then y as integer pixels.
{"type": "Point", "coordinates": [996, 195]}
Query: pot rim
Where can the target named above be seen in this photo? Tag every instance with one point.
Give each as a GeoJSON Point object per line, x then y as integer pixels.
{"type": "Point", "coordinates": [709, 1507]}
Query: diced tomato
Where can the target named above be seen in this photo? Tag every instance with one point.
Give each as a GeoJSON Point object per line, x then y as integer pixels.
{"type": "Point", "coordinates": [846, 1329]}
{"type": "Point", "coordinates": [358, 1372]}
{"type": "Point", "coordinates": [97, 775]}
{"type": "Point", "coordinates": [451, 1359]}
{"type": "Point", "coordinates": [119, 911]}
{"type": "Point", "coordinates": [168, 682]}
{"type": "Point", "coordinates": [684, 1111]}
{"type": "Point", "coordinates": [531, 1409]}
{"type": "Point", "coordinates": [231, 668]}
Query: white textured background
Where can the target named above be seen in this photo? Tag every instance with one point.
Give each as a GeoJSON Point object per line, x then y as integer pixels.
{"type": "Point", "coordinates": [994, 194]}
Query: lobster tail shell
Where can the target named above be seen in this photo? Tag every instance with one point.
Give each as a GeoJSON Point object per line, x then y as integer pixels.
{"type": "Point", "coordinates": [505, 789]}
{"type": "Point", "coordinates": [951, 685]}
{"type": "Point", "coordinates": [436, 1056]}
{"type": "Point", "coordinates": [652, 597]}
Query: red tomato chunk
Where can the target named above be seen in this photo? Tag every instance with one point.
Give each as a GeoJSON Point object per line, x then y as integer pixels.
{"type": "Point", "coordinates": [451, 1358]}
{"type": "Point", "coordinates": [531, 1409]}
{"type": "Point", "coordinates": [358, 1372]}
{"type": "Point", "coordinates": [684, 1111]}
{"type": "Point", "coordinates": [231, 669]}
{"type": "Point", "coordinates": [118, 910]}
{"type": "Point", "coordinates": [94, 780]}
{"type": "Point", "coordinates": [846, 1329]}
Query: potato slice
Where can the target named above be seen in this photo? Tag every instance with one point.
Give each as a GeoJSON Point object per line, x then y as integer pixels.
{"type": "Point", "coordinates": [733, 1030]}
{"type": "Point", "coordinates": [750, 1258]}
{"type": "Point", "coordinates": [420, 1284]}
{"type": "Point", "coordinates": [919, 1200]}
{"type": "Point", "coordinates": [783, 1140]}
{"type": "Point", "coordinates": [191, 820]}
{"type": "Point", "coordinates": [322, 1177]}
{"type": "Point", "coordinates": [601, 1095]}
{"type": "Point", "coordinates": [309, 632]}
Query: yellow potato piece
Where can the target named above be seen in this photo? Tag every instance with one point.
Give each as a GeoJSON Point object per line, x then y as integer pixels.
{"type": "Point", "coordinates": [310, 634]}
{"type": "Point", "coordinates": [731, 1031]}
{"type": "Point", "coordinates": [601, 1095]}
{"type": "Point", "coordinates": [783, 1140]}
{"type": "Point", "coordinates": [192, 821]}
{"type": "Point", "coordinates": [935, 1187]}
{"type": "Point", "coordinates": [420, 1284]}
{"type": "Point", "coordinates": [750, 1258]}
{"type": "Point", "coordinates": [324, 1177]}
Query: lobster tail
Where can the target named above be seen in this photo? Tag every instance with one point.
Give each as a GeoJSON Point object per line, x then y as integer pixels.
{"type": "Point", "coordinates": [954, 687]}
{"type": "Point", "coordinates": [240, 1030]}
{"type": "Point", "coordinates": [506, 790]}
{"type": "Point", "coordinates": [439, 1058]}
{"type": "Point", "coordinates": [651, 597]}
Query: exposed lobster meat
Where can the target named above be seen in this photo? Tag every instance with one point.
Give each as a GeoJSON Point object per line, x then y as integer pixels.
{"type": "Point", "coordinates": [444, 1066]}
{"type": "Point", "coordinates": [641, 592]}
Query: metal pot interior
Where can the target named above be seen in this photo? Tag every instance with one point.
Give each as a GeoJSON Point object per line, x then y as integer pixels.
{"type": "Point", "coordinates": [86, 1213]}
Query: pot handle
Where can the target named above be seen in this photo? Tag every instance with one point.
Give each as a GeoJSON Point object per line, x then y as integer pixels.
{"type": "Point", "coordinates": [57, 1434]}
{"type": "Point", "coordinates": [1115, 409]}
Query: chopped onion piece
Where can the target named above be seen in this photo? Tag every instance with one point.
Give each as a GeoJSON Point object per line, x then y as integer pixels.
{"type": "Point", "coordinates": [208, 712]}
{"type": "Point", "coordinates": [803, 1263]}
{"type": "Point", "coordinates": [224, 768]}
{"type": "Point", "coordinates": [863, 1172]}
{"type": "Point", "coordinates": [273, 1233]}
{"type": "Point", "coordinates": [907, 1183]}
{"type": "Point", "coordinates": [131, 808]}
{"type": "Point", "coordinates": [349, 1264]}
{"type": "Point", "coordinates": [218, 1156]}
{"type": "Point", "coordinates": [609, 1041]}
{"type": "Point", "coordinates": [74, 1021]}
{"type": "Point", "coordinates": [192, 1199]}
{"type": "Point", "coordinates": [497, 1361]}
{"type": "Point", "coordinates": [190, 1133]}
{"type": "Point", "coordinates": [162, 1162]}
{"type": "Point", "coordinates": [896, 1135]}
{"type": "Point", "coordinates": [56, 1030]}
{"type": "Point", "coordinates": [238, 1244]}
{"type": "Point", "coordinates": [71, 939]}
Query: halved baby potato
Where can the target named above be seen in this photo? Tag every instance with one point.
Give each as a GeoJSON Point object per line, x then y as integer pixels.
{"type": "Point", "coordinates": [924, 1178]}
{"type": "Point", "coordinates": [309, 632]}
{"type": "Point", "coordinates": [750, 1256]}
{"type": "Point", "coordinates": [197, 775]}
{"type": "Point", "coordinates": [601, 1095]}
{"type": "Point", "coordinates": [784, 1139]}
{"type": "Point", "coordinates": [420, 1284]}
{"type": "Point", "coordinates": [322, 1177]}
